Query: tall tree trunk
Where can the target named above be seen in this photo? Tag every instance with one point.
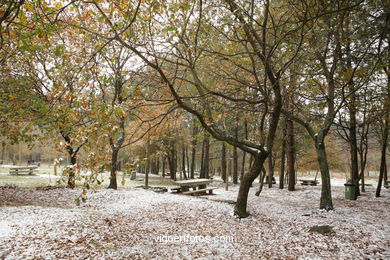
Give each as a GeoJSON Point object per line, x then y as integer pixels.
{"type": "Point", "coordinates": [261, 181]}
{"type": "Point", "coordinates": [290, 154]}
{"type": "Point", "coordinates": [235, 155]}
{"type": "Point", "coordinates": [201, 173]}
{"type": "Point", "coordinates": [114, 165]}
{"type": "Point", "coordinates": [270, 170]}
{"type": "Point", "coordinates": [235, 165]}
{"type": "Point", "coordinates": [157, 166]}
{"type": "Point", "coordinates": [72, 174]}
{"type": "Point", "coordinates": [243, 165]}
{"type": "Point", "coordinates": [385, 137]}
{"type": "Point", "coordinates": [282, 158]}
{"type": "Point", "coordinates": [246, 183]}
{"type": "Point", "coordinates": [243, 152]}
{"type": "Point", "coordinates": [383, 167]}
{"type": "Point", "coordinates": [363, 163]}
{"type": "Point", "coordinates": [206, 157]}
{"type": "Point", "coordinates": [172, 161]}
{"type": "Point", "coordinates": [363, 150]}
{"type": "Point", "coordinates": [72, 156]}
{"type": "Point", "coordinates": [163, 166]}
{"type": "Point", "coordinates": [3, 150]}
{"type": "Point", "coordinates": [326, 194]}
{"type": "Point", "coordinates": [187, 160]}
{"type": "Point", "coordinates": [353, 142]}
{"type": "Point", "coordinates": [193, 152]}
{"type": "Point", "coordinates": [183, 164]}
{"type": "Point", "coordinates": [223, 162]}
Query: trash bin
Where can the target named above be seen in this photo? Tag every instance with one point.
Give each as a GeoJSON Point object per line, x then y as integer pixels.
{"type": "Point", "coordinates": [350, 190]}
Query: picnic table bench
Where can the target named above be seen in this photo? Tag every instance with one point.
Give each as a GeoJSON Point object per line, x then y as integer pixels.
{"type": "Point", "coordinates": [309, 182]}
{"type": "Point", "coordinates": [17, 170]}
{"type": "Point", "coordinates": [198, 186]}
{"type": "Point", "coordinates": [267, 179]}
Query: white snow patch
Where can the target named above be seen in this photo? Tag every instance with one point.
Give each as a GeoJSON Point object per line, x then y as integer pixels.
{"type": "Point", "coordinates": [5, 229]}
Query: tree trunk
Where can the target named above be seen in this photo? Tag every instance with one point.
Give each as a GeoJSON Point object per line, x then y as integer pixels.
{"type": "Point", "coordinates": [235, 155]}
{"type": "Point", "coordinates": [363, 150]}
{"type": "Point", "coordinates": [3, 150]}
{"type": "Point", "coordinates": [326, 194]}
{"type": "Point", "coordinates": [201, 173]}
{"type": "Point", "coordinates": [172, 162]}
{"type": "Point", "coordinates": [163, 166]}
{"type": "Point", "coordinates": [363, 163]}
{"type": "Point", "coordinates": [114, 165]}
{"type": "Point", "coordinates": [353, 143]}
{"type": "Point", "coordinates": [223, 162]}
{"type": "Point", "coordinates": [235, 165]}
{"type": "Point", "coordinates": [193, 153]}
{"type": "Point", "coordinates": [183, 163]}
{"type": "Point", "coordinates": [385, 137]}
{"type": "Point", "coordinates": [157, 170]}
{"type": "Point", "coordinates": [242, 165]}
{"type": "Point", "coordinates": [290, 154]}
{"type": "Point", "coordinates": [72, 174]}
{"type": "Point", "coordinates": [282, 159]}
{"type": "Point", "coordinates": [205, 158]}
{"type": "Point", "coordinates": [243, 152]}
{"type": "Point", "coordinates": [187, 160]}
{"type": "Point", "coordinates": [261, 181]}
{"type": "Point", "coordinates": [270, 170]}
{"type": "Point", "coordinates": [247, 180]}
{"type": "Point", "coordinates": [383, 159]}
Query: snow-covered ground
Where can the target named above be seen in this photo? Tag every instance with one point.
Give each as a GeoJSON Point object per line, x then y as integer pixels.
{"type": "Point", "coordinates": [125, 224]}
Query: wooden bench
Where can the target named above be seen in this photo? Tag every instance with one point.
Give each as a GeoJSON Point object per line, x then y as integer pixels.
{"type": "Point", "coordinates": [18, 170]}
{"type": "Point", "coordinates": [192, 192]}
{"type": "Point", "coordinates": [267, 178]}
{"type": "Point", "coordinates": [309, 182]}
{"type": "Point", "coordinates": [175, 189]}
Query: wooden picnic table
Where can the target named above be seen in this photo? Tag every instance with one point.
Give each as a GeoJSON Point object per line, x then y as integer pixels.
{"type": "Point", "coordinates": [31, 169]}
{"type": "Point", "coordinates": [198, 186]}
{"type": "Point", "coordinates": [309, 182]}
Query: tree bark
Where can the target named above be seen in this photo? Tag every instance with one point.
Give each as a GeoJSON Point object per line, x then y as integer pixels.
{"type": "Point", "coordinates": [326, 194]}
{"type": "Point", "coordinates": [183, 164]}
{"type": "Point", "coordinates": [353, 142]}
{"type": "Point", "coordinates": [72, 174]}
{"type": "Point", "coordinates": [206, 157]}
{"type": "Point", "coordinates": [235, 166]}
{"type": "Point", "coordinates": [290, 154]}
{"type": "Point", "coordinates": [235, 155]}
{"type": "Point", "coordinates": [282, 158]}
{"type": "Point", "coordinates": [223, 162]}
{"type": "Point", "coordinates": [193, 153]}
{"type": "Point", "coordinates": [114, 165]}
{"type": "Point", "coordinates": [263, 173]}
{"type": "Point", "coordinates": [163, 166]}
{"type": "Point", "coordinates": [270, 170]}
{"type": "Point", "coordinates": [385, 137]}
{"type": "Point", "coordinates": [172, 161]}
{"type": "Point", "coordinates": [247, 180]}
{"type": "Point", "coordinates": [243, 152]}
{"type": "Point", "coordinates": [187, 160]}
{"type": "Point", "coordinates": [382, 168]}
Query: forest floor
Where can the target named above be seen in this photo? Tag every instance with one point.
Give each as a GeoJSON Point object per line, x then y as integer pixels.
{"type": "Point", "coordinates": [142, 224]}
